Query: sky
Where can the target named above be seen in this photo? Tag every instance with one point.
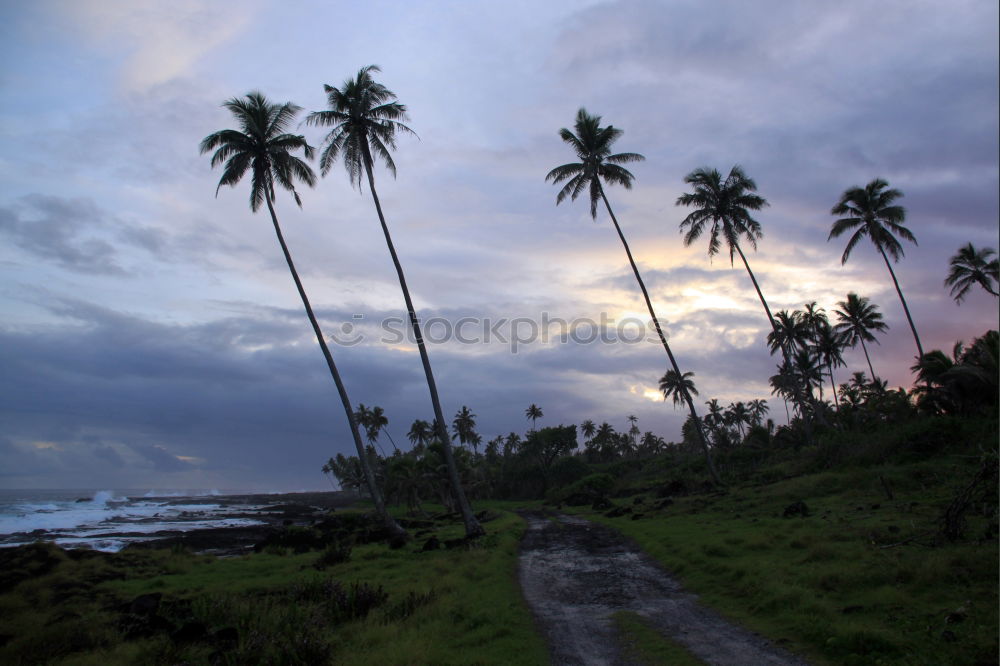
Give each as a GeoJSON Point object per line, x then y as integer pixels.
{"type": "Point", "coordinates": [150, 333]}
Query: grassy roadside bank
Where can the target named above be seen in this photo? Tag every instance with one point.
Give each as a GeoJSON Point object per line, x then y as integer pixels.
{"type": "Point", "coordinates": [382, 606]}
{"type": "Point", "coordinates": [830, 566]}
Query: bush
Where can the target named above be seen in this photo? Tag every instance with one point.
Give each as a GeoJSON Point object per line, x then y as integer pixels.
{"type": "Point", "coordinates": [337, 552]}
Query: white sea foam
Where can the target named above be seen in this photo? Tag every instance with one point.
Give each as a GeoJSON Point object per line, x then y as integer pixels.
{"type": "Point", "coordinates": [72, 520]}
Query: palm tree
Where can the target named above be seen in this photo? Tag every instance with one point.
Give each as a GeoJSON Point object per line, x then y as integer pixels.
{"type": "Point", "coordinates": [587, 429]}
{"type": "Point", "coordinates": [722, 207]}
{"type": "Point", "coordinates": [678, 386]}
{"type": "Point", "coordinates": [758, 409]}
{"type": "Point", "coordinates": [970, 266]}
{"type": "Point", "coordinates": [592, 144]}
{"type": "Point", "coordinates": [829, 346]}
{"type": "Point", "coordinates": [633, 430]}
{"type": "Point", "coordinates": [858, 318]}
{"type": "Point", "coordinates": [869, 211]}
{"type": "Point", "coordinates": [263, 147]}
{"type": "Point", "coordinates": [533, 412]}
{"type": "Point", "coordinates": [420, 433]}
{"type": "Point", "coordinates": [365, 118]}
{"type": "Point", "coordinates": [379, 423]}
{"type": "Point", "coordinates": [790, 332]}
{"type": "Point", "coordinates": [464, 426]}
{"type": "Point", "coordinates": [813, 318]}
{"type": "Point", "coordinates": [740, 416]}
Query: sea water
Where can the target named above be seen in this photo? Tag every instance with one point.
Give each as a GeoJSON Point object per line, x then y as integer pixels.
{"type": "Point", "coordinates": [108, 519]}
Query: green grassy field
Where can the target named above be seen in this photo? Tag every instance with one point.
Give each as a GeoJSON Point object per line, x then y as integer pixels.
{"type": "Point", "coordinates": [383, 606]}
{"type": "Point", "coordinates": [862, 579]}
{"type": "Point", "coordinates": [858, 573]}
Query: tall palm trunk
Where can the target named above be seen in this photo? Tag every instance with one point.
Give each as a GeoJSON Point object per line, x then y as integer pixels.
{"type": "Point", "coordinates": [833, 386]}
{"type": "Point", "coordinates": [865, 349]}
{"type": "Point", "coordinates": [472, 526]}
{"type": "Point", "coordinates": [784, 351]}
{"type": "Point", "coordinates": [916, 338]}
{"type": "Point", "coordinates": [666, 346]}
{"type": "Point", "coordinates": [390, 524]}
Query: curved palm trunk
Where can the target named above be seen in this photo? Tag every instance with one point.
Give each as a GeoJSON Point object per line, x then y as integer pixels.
{"type": "Point", "coordinates": [916, 338]}
{"type": "Point", "coordinates": [390, 524]}
{"type": "Point", "coordinates": [784, 351]}
{"type": "Point", "coordinates": [472, 526]}
{"type": "Point", "coordinates": [865, 349]}
{"type": "Point", "coordinates": [663, 339]}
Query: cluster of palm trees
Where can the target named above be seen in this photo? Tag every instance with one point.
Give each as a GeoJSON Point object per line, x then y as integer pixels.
{"type": "Point", "coordinates": [722, 209]}
{"type": "Point", "coordinates": [364, 119]}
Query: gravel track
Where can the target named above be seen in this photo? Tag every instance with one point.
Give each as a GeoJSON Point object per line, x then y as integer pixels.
{"type": "Point", "coordinates": [575, 574]}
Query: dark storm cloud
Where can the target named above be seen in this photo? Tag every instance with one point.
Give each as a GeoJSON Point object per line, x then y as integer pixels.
{"type": "Point", "coordinates": [250, 395]}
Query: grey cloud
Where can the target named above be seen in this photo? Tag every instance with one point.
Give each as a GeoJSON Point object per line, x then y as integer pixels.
{"type": "Point", "coordinates": [61, 230]}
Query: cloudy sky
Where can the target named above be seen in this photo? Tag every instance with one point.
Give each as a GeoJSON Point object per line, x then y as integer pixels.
{"type": "Point", "coordinates": [150, 333]}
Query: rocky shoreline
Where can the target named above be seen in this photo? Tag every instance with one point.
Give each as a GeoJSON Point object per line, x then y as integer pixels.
{"type": "Point", "coordinates": [269, 513]}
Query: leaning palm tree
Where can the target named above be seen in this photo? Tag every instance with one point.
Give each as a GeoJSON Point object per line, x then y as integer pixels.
{"type": "Point", "coordinates": [969, 267]}
{"type": "Point", "coordinates": [722, 208]}
{"type": "Point", "coordinates": [263, 147]}
{"type": "Point", "coordinates": [858, 319]}
{"type": "Point", "coordinates": [366, 118]}
{"type": "Point", "coordinates": [870, 211]}
{"type": "Point", "coordinates": [592, 145]}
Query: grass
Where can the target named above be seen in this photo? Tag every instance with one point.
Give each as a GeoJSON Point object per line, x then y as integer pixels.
{"type": "Point", "coordinates": [383, 606]}
{"type": "Point", "coordinates": [860, 580]}
{"type": "Point", "coordinates": [644, 645]}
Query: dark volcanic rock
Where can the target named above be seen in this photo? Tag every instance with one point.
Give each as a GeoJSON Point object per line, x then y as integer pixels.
{"type": "Point", "coordinates": [146, 604]}
{"type": "Point", "coordinates": [191, 632]}
{"type": "Point", "coordinates": [23, 562]}
{"type": "Point", "coordinates": [797, 509]}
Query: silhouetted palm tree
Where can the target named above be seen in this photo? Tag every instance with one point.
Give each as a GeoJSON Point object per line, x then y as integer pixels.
{"type": "Point", "coordinates": [858, 318]}
{"type": "Point", "coordinates": [533, 412]}
{"type": "Point", "coordinates": [587, 429]}
{"type": "Point", "coordinates": [677, 386]}
{"type": "Point", "coordinates": [870, 211]}
{"type": "Point", "coordinates": [829, 345]}
{"type": "Point", "coordinates": [420, 433]}
{"type": "Point", "coordinates": [722, 207]}
{"type": "Point", "coordinates": [970, 266]}
{"type": "Point", "coordinates": [758, 410]}
{"type": "Point", "coordinates": [263, 147]}
{"type": "Point", "coordinates": [740, 416]}
{"type": "Point", "coordinates": [592, 145]}
{"type": "Point", "coordinates": [365, 118]}
{"type": "Point", "coordinates": [790, 332]}
{"type": "Point", "coordinates": [464, 426]}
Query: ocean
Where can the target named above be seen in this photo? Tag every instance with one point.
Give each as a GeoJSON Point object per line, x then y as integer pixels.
{"type": "Point", "coordinates": [107, 520]}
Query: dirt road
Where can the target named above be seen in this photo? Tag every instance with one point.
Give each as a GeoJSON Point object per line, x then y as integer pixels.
{"type": "Point", "coordinates": [575, 574]}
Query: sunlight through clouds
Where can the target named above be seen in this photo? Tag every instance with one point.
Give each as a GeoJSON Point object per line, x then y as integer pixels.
{"type": "Point", "coordinates": [164, 40]}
